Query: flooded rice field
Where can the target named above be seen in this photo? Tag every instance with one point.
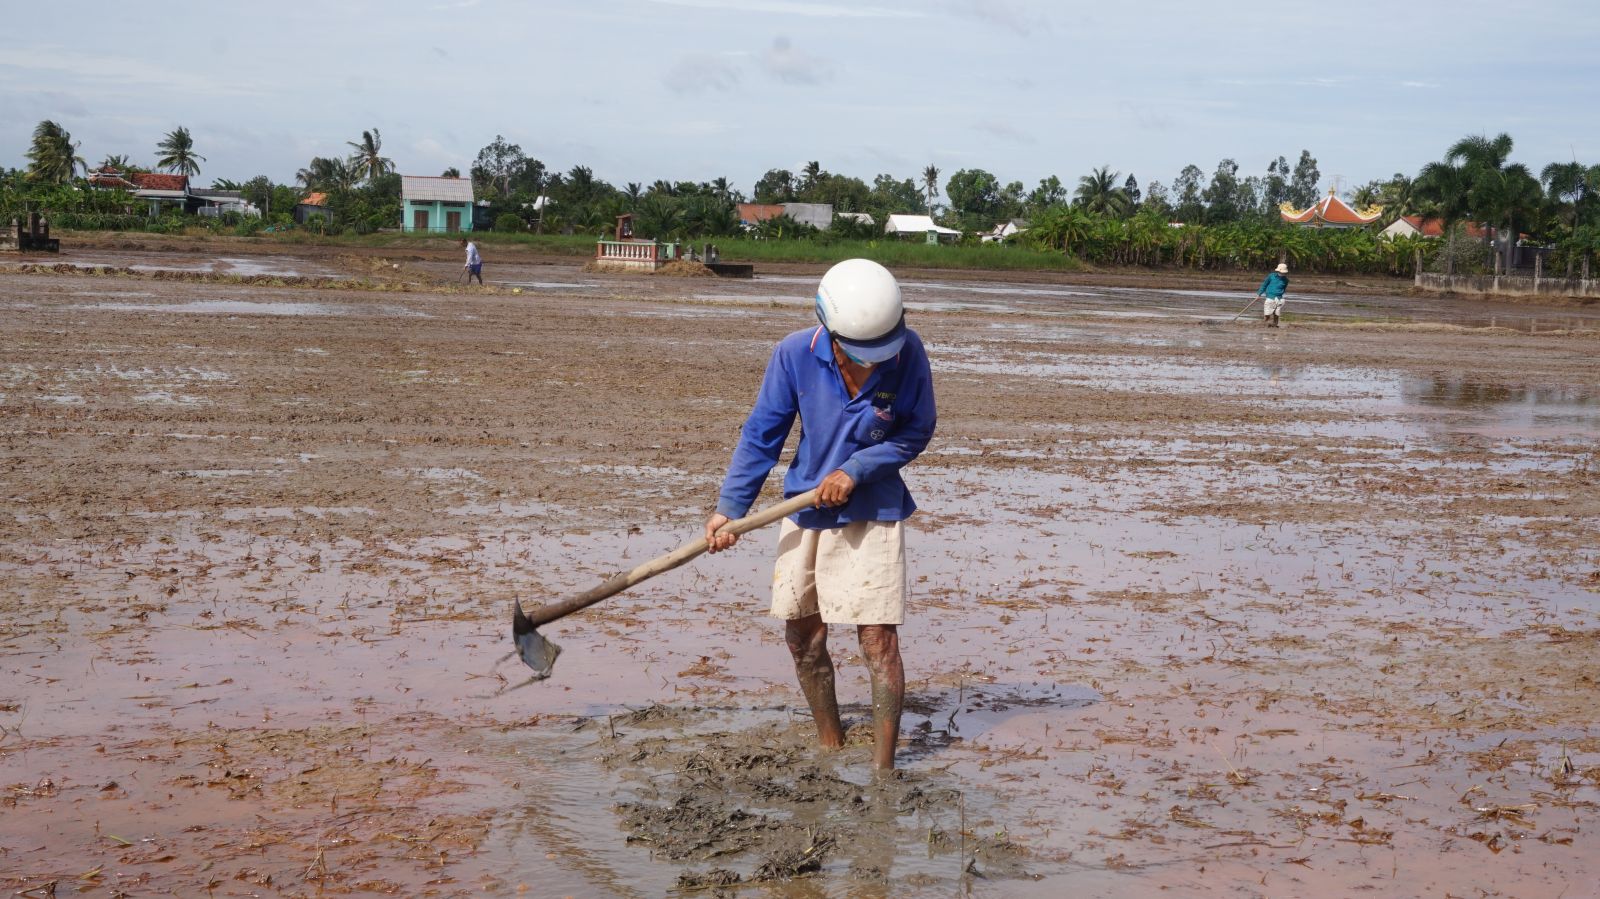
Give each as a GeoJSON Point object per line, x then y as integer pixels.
{"type": "Point", "coordinates": [1198, 609]}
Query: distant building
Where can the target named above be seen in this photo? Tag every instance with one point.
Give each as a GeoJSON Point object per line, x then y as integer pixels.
{"type": "Point", "coordinates": [1331, 212]}
{"type": "Point", "coordinates": [817, 215]}
{"type": "Point", "coordinates": [162, 190]}
{"type": "Point", "coordinates": [217, 202]}
{"type": "Point", "coordinates": [752, 214]}
{"type": "Point", "coordinates": [435, 204]}
{"type": "Point", "coordinates": [860, 218]}
{"type": "Point", "coordinates": [315, 203]}
{"type": "Point", "coordinates": [1004, 231]}
{"type": "Point", "coordinates": [108, 178]}
{"type": "Point", "coordinates": [1417, 226]}
{"type": "Point", "coordinates": [920, 226]}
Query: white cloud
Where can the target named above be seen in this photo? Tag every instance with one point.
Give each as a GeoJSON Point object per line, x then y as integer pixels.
{"type": "Point", "coordinates": [999, 13]}
{"type": "Point", "coordinates": [700, 72]}
{"type": "Point", "coordinates": [120, 74]}
{"type": "Point", "coordinates": [1003, 131]}
{"type": "Point", "coordinates": [791, 66]}
{"type": "Point", "coordinates": [796, 8]}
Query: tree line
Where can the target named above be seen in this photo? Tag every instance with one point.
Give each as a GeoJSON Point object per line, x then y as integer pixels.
{"type": "Point", "coordinates": [1230, 217]}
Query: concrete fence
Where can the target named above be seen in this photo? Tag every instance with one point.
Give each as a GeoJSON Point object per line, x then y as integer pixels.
{"type": "Point", "coordinates": [1509, 285]}
{"type": "Point", "coordinates": [1534, 285]}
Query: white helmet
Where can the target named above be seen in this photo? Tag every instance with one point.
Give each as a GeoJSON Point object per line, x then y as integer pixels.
{"type": "Point", "coordinates": [858, 302]}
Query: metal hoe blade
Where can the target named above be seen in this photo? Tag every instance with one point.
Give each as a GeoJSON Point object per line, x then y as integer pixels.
{"type": "Point", "coordinates": [535, 651]}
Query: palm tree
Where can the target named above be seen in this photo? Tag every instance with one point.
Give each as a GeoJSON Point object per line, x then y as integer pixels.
{"type": "Point", "coordinates": [118, 162]}
{"type": "Point", "coordinates": [451, 172]}
{"type": "Point", "coordinates": [1398, 195]}
{"type": "Point", "coordinates": [660, 216]}
{"type": "Point", "coordinates": [53, 158]}
{"type": "Point", "coordinates": [1510, 197]}
{"type": "Point", "coordinates": [176, 153]}
{"type": "Point", "coordinates": [328, 174]}
{"type": "Point", "coordinates": [1567, 185]}
{"type": "Point", "coordinates": [1506, 194]}
{"type": "Point", "coordinates": [810, 175]}
{"type": "Point", "coordinates": [631, 194]}
{"type": "Point", "coordinates": [720, 189]}
{"type": "Point", "coordinates": [1099, 193]}
{"type": "Point", "coordinates": [368, 157]}
{"type": "Point", "coordinates": [1481, 151]}
{"type": "Point", "coordinates": [1445, 191]}
{"type": "Point", "coordinates": [930, 185]}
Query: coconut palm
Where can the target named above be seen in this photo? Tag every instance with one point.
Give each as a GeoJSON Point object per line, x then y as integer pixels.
{"type": "Point", "coordinates": [53, 158]}
{"type": "Point", "coordinates": [1481, 151]}
{"type": "Point", "coordinates": [930, 185]}
{"type": "Point", "coordinates": [368, 158]}
{"type": "Point", "coordinates": [328, 174]}
{"type": "Point", "coordinates": [175, 153]}
{"type": "Point", "coordinates": [451, 172]}
{"type": "Point", "coordinates": [1098, 192]}
{"type": "Point", "coordinates": [119, 162]}
{"type": "Point", "coordinates": [1398, 196]}
{"type": "Point", "coordinates": [1570, 187]}
{"type": "Point", "coordinates": [660, 216]}
{"type": "Point", "coordinates": [631, 193]}
{"type": "Point", "coordinates": [1510, 197]}
{"type": "Point", "coordinates": [810, 175]}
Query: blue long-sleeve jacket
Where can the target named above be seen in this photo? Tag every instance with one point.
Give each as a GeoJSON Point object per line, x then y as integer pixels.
{"type": "Point", "coordinates": [1273, 286]}
{"type": "Point", "coordinates": [869, 437]}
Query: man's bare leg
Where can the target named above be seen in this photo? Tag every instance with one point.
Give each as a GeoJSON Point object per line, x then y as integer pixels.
{"type": "Point", "coordinates": [808, 643]}
{"type": "Point", "coordinates": [880, 644]}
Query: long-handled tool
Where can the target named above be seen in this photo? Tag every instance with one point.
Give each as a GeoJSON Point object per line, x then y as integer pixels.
{"type": "Point", "coordinates": [1244, 310]}
{"type": "Point", "coordinates": [540, 654]}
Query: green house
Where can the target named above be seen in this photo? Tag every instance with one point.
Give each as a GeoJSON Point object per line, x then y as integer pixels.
{"type": "Point", "coordinates": [438, 205]}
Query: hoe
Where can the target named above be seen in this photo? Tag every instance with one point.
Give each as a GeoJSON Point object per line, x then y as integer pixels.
{"type": "Point", "coordinates": [540, 654]}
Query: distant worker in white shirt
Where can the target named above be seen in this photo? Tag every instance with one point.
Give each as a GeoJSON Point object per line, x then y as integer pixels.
{"type": "Point", "coordinates": [474, 262]}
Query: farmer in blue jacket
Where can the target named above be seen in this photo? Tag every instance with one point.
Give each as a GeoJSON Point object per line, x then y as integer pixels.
{"type": "Point", "coordinates": [1272, 289]}
{"type": "Point", "coordinates": [859, 383]}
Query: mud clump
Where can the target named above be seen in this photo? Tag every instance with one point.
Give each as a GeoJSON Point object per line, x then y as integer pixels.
{"type": "Point", "coordinates": [789, 862]}
{"type": "Point", "coordinates": [683, 268]}
{"type": "Point", "coordinates": [690, 881]}
{"type": "Point", "coordinates": [765, 798]}
{"type": "Point", "coordinates": [695, 827]}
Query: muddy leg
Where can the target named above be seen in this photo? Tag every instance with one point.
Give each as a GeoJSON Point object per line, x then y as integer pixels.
{"type": "Point", "coordinates": [808, 643]}
{"type": "Point", "coordinates": [880, 644]}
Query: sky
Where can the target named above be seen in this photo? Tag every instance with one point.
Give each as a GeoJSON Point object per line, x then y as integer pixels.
{"type": "Point", "coordinates": [697, 89]}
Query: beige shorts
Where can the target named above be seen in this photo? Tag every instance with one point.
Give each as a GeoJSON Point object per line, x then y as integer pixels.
{"type": "Point", "coordinates": [855, 574]}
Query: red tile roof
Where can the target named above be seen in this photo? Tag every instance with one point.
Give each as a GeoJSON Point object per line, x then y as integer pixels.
{"type": "Point", "coordinates": [1433, 227]}
{"type": "Point", "coordinates": [159, 181]}
{"type": "Point", "coordinates": [1331, 211]}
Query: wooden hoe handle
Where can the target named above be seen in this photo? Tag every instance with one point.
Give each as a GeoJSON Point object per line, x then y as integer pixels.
{"type": "Point", "coordinates": [622, 581]}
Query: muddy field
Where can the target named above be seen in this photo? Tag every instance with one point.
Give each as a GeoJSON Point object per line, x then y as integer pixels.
{"type": "Point", "coordinates": [1199, 609]}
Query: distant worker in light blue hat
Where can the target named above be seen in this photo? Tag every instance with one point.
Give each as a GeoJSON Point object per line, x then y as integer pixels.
{"type": "Point", "coordinates": [860, 384]}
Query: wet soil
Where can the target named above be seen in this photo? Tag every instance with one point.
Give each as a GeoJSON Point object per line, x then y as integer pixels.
{"type": "Point", "coordinates": [1203, 608]}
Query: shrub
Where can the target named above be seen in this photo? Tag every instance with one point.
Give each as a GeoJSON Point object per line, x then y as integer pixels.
{"type": "Point", "coordinates": [508, 222]}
